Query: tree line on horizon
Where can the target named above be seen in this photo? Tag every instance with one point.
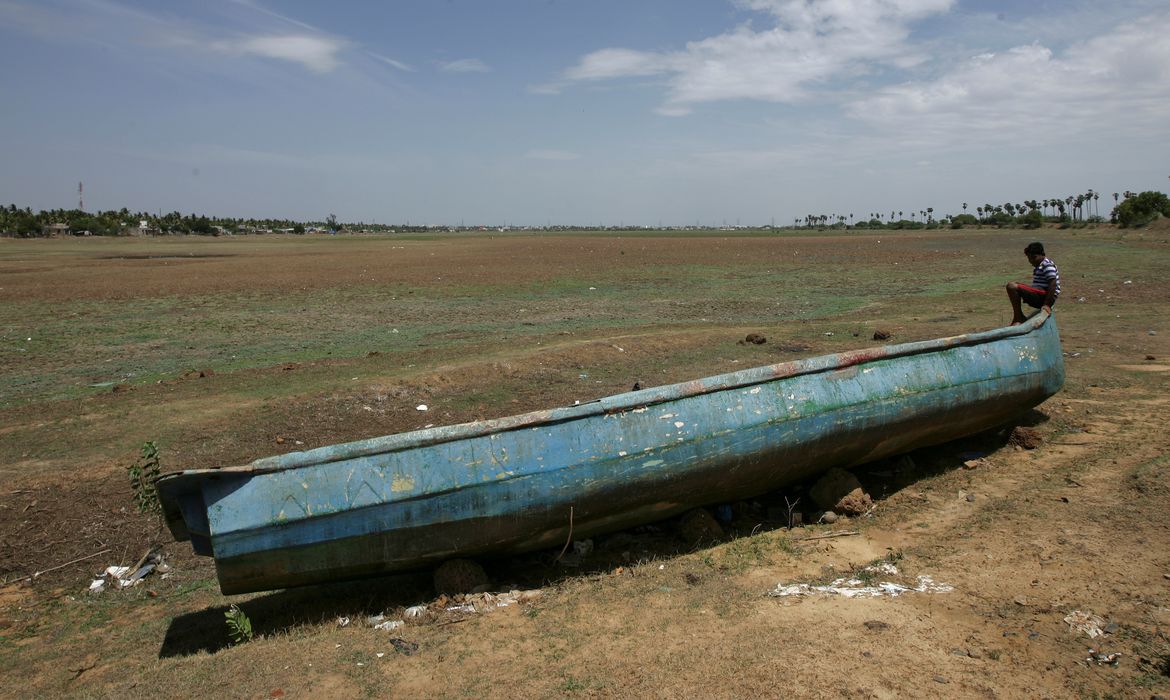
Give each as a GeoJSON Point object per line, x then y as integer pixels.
{"type": "Point", "coordinates": [1130, 210]}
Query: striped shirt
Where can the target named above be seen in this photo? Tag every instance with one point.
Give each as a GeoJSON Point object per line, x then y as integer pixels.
{"type": "Point", "coordinates": [1046, 274]}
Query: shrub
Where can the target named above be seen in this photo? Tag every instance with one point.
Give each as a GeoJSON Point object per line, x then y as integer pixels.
{"type": "Point", "coordinates": [1141, 209]}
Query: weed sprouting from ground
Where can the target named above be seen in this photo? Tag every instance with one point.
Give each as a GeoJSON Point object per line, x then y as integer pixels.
{"type": "Point", "coordinates": [238, 624]}
{"type": "Point", "coordinates": [143, 473]}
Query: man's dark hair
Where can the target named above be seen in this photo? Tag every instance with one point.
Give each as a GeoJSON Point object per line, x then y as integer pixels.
{"type": "Point", "coordinates": [1036, 248]}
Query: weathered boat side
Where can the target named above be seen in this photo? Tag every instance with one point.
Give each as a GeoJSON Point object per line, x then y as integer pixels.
{"type": "Point", "coordinates": [520, 483]}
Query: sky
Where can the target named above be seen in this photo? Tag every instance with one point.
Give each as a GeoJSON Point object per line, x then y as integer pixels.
{"type": "Point", "coordinates": [610, 112]}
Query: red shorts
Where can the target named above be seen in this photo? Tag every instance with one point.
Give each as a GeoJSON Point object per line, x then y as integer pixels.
{"type": "Point", "coordinates": [1032, 296]}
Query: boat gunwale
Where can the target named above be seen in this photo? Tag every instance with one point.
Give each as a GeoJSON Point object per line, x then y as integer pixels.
{"type": "Point", "coordinates": [615, 403]}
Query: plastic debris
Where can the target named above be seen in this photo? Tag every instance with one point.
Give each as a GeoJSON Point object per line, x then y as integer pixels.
{"type": "Point", "coordinates": [421, 407]}
{"type": "Point", "coordinates": [415, 612]}
{"type": "Point", "coordinates": [1103, 658]}
{"type": "Point", "coordinates": [126, 576]}
{"type": "Point", "coordinates": [486, 602]}
{"type": "Point", "coordinates": [389, 625]}
{"type": "Point", "coordinates": [855, 588]}
{"type": "Point", "coordinates": [404, 647]}
{"type": "Point", "coordinates": [1085, 622]}
{"type": "Point", "coordinates": [343, 621]}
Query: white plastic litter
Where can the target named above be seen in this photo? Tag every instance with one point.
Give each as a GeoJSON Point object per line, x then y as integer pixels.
{"type": "Point", "coordinates": [486, 602]}
{"type": "Point", "coordinates": [855, 588]}
{"type": "Point", "coordinates": [389, 625]}
{"type": "Point", "coordinates": [1085, 623]}
{"type": "Point", "coordinates": [415, 612]}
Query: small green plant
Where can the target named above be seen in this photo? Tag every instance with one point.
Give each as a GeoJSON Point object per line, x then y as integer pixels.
{"type": "Point", "coordinates": [143, 474]}
{"type": "Point", "coordinates": [238, 624]}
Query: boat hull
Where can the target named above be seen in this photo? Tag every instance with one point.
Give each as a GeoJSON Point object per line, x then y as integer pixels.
{"type": "Point", "coordinates": [533, 481]}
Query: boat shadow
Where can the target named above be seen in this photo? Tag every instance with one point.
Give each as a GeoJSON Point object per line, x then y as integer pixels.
{"type": "Point", "coordinates": [280, 612]}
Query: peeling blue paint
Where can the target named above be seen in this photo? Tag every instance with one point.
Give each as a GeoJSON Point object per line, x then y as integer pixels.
{"type": "Point", "coordinates": [403, 501]}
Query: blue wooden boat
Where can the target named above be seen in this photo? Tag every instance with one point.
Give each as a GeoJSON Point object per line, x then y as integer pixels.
{"type": "Point", "coordinates": [527, 482]}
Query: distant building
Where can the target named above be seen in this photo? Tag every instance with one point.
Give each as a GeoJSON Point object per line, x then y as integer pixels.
{"type": "Point", "coordinates": [55, 230]}
{"type": "Point", "coordinates": [142, 229]}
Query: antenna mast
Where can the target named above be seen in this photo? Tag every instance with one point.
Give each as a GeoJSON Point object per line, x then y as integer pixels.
{"type": "Point", "coordinates": [80, 198]}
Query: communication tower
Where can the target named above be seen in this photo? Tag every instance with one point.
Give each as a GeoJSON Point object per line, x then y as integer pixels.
{"type": "Point", "coordinates": [80, 198]}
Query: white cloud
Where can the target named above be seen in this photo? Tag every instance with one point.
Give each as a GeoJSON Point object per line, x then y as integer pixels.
{"type": "Point", "coordinates": [393, 63]}
{"type": "Point", "coordinates": [551, 155]}
{"type": "Point", "coordinates": [811, 44]}
{"type": "Point", "coordinates": [1120, 77]}
{"type": "Point", "coordinates": [465, 65]}
{"type": "Point", "coordinates": [316, 53]}
{"type": "Point", "coordinates": [620, 63]}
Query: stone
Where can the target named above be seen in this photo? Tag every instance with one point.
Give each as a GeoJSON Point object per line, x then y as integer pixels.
{"type": "Point", "coordinates": [841, 492]}
{"type": "Point", "coordinates": [1027, 438]}
{"type": "Point", "coordinates": [456, 576]}
{"type": "Point", "coordinates": [698, 526]}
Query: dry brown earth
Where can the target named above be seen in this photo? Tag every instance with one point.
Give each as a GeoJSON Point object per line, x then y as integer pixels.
{"type": "Point", "coordinates": [1024, 539]}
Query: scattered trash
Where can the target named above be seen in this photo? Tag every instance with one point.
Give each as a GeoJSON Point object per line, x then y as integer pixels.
{"type": "Point", "coordinates": [389, 625]}
{"type": "Point", "coordinates": [343, 621]}
{"type": "Point", "coordinates": [1085, 622]}
{"type": "Point", "coordinates": [474, 603]}
{"type": "Point", "coordinates": [126, 576]}
{"type": "Point", "coordinates": [975, 463]}
{"type": "Point", "coordinates": [415, 612]}
{"type": "Point", "coordinates": [855, 588]}
{"type": "Point", "coordinates": [881, 335]}
{"type": "Point", "coordinates": [404, 647]}
{"type": "Point", "coordinates": [1102, 658]}
{"type": "Point", "coordinates": [421, 407]}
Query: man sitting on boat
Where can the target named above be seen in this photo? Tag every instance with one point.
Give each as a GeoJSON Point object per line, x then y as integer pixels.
{"type": "Point", "coordinates": [1045, 287]}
